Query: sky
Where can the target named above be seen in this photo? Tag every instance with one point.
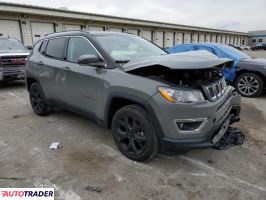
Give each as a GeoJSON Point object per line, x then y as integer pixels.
{"type": "Point", "coordinates": [236, 15]}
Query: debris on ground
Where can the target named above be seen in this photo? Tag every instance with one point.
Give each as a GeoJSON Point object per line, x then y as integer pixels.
{"type": "Point", "coordinates": [55, 146]}
{"type": "Point", "coordinates": [232, 137]}
{"type": "Point", "coordinates": [93, 189]}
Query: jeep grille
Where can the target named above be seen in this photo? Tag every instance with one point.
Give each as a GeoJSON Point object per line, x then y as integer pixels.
{"type": "Point", "coordinates": [216, 90]}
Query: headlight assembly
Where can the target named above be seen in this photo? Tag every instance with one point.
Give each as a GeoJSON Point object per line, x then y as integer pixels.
{"type": "Point", "coordinates": [181, 96]}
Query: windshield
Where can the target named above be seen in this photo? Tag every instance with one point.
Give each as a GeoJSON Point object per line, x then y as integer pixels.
{"type": "Point", "coordinates": [123, 48]}
{"type": "Point", "coordinates": [11, 45]}
{"type": "Point", "coordinates": [234, 52]}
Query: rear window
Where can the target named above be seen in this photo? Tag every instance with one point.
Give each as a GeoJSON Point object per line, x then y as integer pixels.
{"type": "Point", "coordinates": [56, 48]}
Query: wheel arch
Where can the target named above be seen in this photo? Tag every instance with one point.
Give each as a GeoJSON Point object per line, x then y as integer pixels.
{"type": "Point", "coordinates": [30, 81]}
{"type": "Point", "coordinates": [119, 100]}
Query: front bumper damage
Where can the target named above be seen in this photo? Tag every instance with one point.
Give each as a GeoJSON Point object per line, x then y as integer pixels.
{"type": "Point", "coordinates": [222, 136]}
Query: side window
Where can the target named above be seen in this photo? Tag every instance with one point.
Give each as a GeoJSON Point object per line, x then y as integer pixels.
{"type": "Point", "coordinates": [43, 46]}
{"type": "Point", "coordinates": [78, 47]}
{"type": "Point", "coordinates": [56, 48]}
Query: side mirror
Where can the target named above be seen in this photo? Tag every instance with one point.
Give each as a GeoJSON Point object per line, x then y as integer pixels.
{"type": "Point", "coordinates": [91, 60]}
{"type": "Point", "coordinates": [29, 47]}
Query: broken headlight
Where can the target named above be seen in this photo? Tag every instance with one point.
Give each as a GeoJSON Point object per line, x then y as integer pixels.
{"type": "Point", "coordinates": [181, 96]}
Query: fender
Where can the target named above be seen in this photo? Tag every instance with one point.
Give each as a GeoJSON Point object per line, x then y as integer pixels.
{"type": "Point", "coordinates": [137, 100]}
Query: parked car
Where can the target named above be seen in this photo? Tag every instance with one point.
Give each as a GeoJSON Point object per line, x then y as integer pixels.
{"type": "Point", "coordinates": [153, 101]}
{"type": "Point", "coordinates": [247, 74]}
{"type": "Point", "coordinates": [12, 59]}
{"type": "Point", "coordinates": [258, 47]}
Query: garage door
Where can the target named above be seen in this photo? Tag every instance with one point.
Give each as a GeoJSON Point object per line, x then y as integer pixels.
{"type": "Point", "coordinates": [169, 39]}
{"type": "Point", "coordinates": [95, 28]}
{"type": "Point", "coordinates": [227, 39]}
{"type": "Point", "coordinates": [218, 39]}
{"type": "Point", "coordinates": [113, 29]}
{"type": "Point", "coordinates": [187, 38]}
{"type": "Point", "coordinates": [208, 38]}
{"type": "Point", "coordinates": [179, 38]}
{"type": "Point", "coordinates": [10, 28]}
{"type": "Point", "coordinates": [159, 38]}
{"type": "Point", "coordinates": [202, 38]}
{"type": "Point", "coordinates": [71, 27]}
{"type": "Point", "coordinates": [213, 39]}
{"type": "Point", "coordinates": [147, 35]}
{"type": "Point", "coordinates": [39, 29]}
{"type": "Point", "coordinates": [133, 31]}
{"type": "Point", "coordinates": [195, 37]}
{"type": "Point", "coordinates": [223, 39]}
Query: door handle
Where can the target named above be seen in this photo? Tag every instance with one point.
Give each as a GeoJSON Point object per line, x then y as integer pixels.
{"type": "Point", "coordinates": [66, 69]}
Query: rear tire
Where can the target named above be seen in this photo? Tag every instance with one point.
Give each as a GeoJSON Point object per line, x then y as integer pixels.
{"type": "Point", "coordinates": [134, 134]}
{"type": "Point", "coordinates": [249, 85]}
{"type": "Point", "coordinates": [38, 101]}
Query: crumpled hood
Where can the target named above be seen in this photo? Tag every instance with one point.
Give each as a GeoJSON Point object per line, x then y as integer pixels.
{"type": "Point", "coordinates": [187, 60]}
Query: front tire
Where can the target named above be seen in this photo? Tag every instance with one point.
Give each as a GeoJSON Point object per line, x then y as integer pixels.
{"type": "Point", "coordinates": [38, 101]}
{"type": "Point", "coordinates": [134, 134]}
{"type": "Point", "coordinates": [249, 85]}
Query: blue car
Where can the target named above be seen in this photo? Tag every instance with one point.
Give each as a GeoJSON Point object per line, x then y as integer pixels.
{"type": "Point", "coordinates": [248, 75]}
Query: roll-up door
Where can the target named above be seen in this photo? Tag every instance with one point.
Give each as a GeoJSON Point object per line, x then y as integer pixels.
{"type": "Point", "coordinates": [39, 29]}
{"type": "Point", "coordinates": [71, 27]}
{"type": "Point", "coordinates": [202, 38]}
{"type": "Point", "coordinates": [133, 31]}
{"type": "Point", "coordinates": [159, 38]}
{"type": "Point", "coordinates": [227, 39]}
{"type": "Point", "coordinates": [10, 28]}
{"type": "Point", "coordinates": [147, 35]}
{"type": "Point", "coordinates": [213, 38]}
{"type": "Point", "coordinates": [187, 37]}
{"type": "Point", "coordinates": [208, 38]}
{"type": "Point", "coordinates": [95, 28]}
{"type": "Point", "coordinates": [223, 39]}
{"type": "Point", "coordinates": [179, 38]}
{"type": "Point", "coordinates": [195, 38]}
{"type": "Point", "coordinates": [169, 39]}
{"type": "Point", "coordinates": [113, 29]}
{"type": "Point", "coordinates": [219, 39]}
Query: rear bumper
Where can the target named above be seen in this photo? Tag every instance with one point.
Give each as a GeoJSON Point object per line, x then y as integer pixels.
{"type": "Point", "coordinates": [211, 138]}
{"type": "Point", "coordinates": [14, 73]}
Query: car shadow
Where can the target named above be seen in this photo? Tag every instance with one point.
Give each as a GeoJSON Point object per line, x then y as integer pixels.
{"type": "Point", "coordinates": [12, 85]}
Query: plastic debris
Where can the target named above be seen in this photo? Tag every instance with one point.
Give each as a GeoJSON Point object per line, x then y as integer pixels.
{"type": "Point", "coordinates": [232, 137]}
{"type": "Point", "coordinates": [55, 146]}
{"type": "Point", "coordinates": [93, 189]}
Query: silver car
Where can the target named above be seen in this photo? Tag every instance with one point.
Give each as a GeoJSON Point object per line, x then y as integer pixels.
{"type": "Point", "coordinates": [153, 101]}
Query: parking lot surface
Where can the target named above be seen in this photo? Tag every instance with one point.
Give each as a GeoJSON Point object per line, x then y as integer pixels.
{"type": "Point", "coordinates": [89, 166]}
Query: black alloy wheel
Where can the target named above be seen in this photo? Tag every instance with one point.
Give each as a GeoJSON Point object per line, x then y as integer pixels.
{"type": "Point", "coordinates": [38, 100]}
{"type": "Point", "coordinates": [134, 134]}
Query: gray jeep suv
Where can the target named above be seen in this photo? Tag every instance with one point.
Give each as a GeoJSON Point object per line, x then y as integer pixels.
{"type": "Point", "coordinates": [153, 101]}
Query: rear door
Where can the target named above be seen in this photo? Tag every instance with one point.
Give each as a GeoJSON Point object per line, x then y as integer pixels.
{"type": "Point", "coordinates": [83, 84]}
{"type": "Point", "coordinates": [52, 63]}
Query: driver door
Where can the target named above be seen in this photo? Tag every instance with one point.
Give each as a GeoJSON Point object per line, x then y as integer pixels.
{"type": "Point", "coordinates": [82, 84]}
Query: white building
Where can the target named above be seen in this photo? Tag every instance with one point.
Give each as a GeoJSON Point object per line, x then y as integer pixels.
{"type": "Point", "coordinates": [29, 23]}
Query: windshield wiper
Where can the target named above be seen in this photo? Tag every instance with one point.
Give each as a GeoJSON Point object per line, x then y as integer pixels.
{"type": "Point", "coordinates": [122, 61]}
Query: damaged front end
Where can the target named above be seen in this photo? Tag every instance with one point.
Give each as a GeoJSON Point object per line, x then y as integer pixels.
{"type": "Point", "coordinates": [201, 106]}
